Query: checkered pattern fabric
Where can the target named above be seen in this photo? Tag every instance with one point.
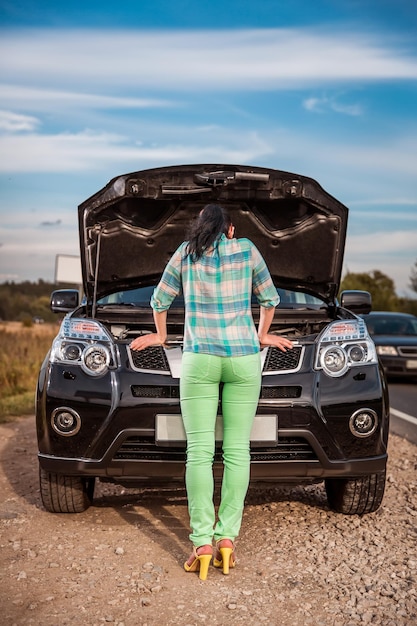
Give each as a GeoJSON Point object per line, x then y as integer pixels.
{"type": "Point", "coordinates": [217, 291]}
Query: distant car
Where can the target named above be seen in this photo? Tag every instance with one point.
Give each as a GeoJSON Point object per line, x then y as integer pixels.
{"type": "Point", "coordinates": [107, 412]}
{"type": "Point", "coordinates": [395, 338]}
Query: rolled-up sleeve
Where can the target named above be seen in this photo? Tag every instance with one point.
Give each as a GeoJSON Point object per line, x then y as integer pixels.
{"type": "Point", "coordinates": [263, 287]}
{"type": "Point", "coordinates": [170, 284]}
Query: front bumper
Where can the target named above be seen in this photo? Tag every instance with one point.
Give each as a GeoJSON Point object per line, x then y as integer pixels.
{"type": "Point", "coordinates": [117, 440]}
{"type": "Point", "coordinates": [400, 367]}
{"type": "Point", "coordinates": [265, 466]}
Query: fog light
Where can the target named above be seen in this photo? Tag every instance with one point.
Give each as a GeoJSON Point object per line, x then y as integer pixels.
{"type": "Point", "coordinates": [65, 421]}
{"type": "Point", "coordinates": [363, 423]}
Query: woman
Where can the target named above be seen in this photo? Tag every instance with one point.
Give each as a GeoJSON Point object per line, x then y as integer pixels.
{"type": "Point", "coordinates": [217, 275]}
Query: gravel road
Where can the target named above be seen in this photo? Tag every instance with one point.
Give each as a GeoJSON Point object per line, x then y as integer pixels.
{"type": "Point", "coordinates": [120, 562]}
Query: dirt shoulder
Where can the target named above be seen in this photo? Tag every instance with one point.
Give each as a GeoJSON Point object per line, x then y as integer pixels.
{"type": "Point", "coordinates": [120, 562]}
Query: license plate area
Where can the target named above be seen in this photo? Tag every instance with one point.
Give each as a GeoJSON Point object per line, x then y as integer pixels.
{"type": "Point", "coordinates": [411, 364]}
{"type": "Point", "coordinates": [169, 430]}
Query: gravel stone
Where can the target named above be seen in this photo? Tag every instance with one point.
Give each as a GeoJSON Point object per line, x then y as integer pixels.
{"type": "Point", "coordinates": [299, 564]}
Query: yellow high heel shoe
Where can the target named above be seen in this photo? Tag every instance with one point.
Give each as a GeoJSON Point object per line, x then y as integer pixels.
{"type": "Point", "coordinates": [225, 555]}
{"type": "Point", "coordinates": [199, 561]}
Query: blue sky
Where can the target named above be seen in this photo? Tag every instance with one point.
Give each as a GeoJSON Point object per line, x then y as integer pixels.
{"type": "Point", "coordinates": [89, 90]}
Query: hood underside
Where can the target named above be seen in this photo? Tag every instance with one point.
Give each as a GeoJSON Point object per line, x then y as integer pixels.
{"type": "Point", "coordinates": [130, 228]}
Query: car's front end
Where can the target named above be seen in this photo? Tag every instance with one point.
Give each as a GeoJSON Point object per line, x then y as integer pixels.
{"type": "Point", "coordinates": [395, 338]}
{"type": "Point", "coordinates": [106, 411]}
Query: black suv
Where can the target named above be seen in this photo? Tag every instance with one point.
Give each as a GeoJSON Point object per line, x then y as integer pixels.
{"type": "Point", "coordinates": [104, 411]}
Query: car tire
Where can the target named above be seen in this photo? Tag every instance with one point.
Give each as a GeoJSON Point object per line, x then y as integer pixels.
{"type": "Point", "coordinates": [65, 494]}
{"type": "Point", "coordinates": [356, 496]}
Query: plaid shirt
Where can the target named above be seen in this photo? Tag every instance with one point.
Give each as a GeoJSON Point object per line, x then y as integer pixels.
{"type": "Point", "coordinates": [217, 292]}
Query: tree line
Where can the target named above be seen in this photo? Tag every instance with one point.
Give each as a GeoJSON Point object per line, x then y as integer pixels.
{"type": "Point", "coordinates": [382, 289]}
{"type": "Point", "coordinates": [29, 301]}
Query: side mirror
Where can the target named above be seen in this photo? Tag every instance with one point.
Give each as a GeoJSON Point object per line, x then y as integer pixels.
{"type": "Point", "coordinates": [359, 302]}
{"type": "Point", "coordinates": [64, 300]}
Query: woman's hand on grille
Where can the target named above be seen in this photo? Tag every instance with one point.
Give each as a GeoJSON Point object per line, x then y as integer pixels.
{"type": "Point", "coordinates": [146, 341]}
{"type": "Point", "coordinates": [282, 343]}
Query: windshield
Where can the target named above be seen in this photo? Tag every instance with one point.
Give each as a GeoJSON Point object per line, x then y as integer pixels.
{"type": "Point", "coordinates": [391, 325]}
{"type": "Point", "coordinates": [141, 296]}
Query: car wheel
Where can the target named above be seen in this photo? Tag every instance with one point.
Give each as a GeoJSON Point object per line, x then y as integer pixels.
{"type": "Point", "coordinates": [356, 496]}
{"type": "Point", "coordinates": [65, 494]}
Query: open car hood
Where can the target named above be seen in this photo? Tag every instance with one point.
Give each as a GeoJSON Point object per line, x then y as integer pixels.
{"type": "Point", "coordinates": [130, 228]}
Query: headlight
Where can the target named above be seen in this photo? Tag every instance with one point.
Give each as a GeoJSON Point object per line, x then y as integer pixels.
{"type": "Point", "coordinates": [387, 350]}
{"type": "Point", "coordinates": [71, 351]}
{"type": "Point", "coordinates": [356, 353]}
{"type": "Point", "coordinates": [342, 345]}
{"type": "Point", "coordinates": [334, 361]}
{"type": "Point", "coordinates": [95, 360]}
{"type": "Point", "coordinates": [84, 343]}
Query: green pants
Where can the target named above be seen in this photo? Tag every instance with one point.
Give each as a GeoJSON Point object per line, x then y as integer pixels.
{"type": "Point", "coordinates": [201, 376]}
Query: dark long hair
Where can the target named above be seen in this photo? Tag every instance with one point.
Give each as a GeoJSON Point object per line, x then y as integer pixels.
{"type": "Point", "coordinates": [204, 232]}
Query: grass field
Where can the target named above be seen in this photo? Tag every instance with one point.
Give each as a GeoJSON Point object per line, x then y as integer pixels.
{"type": "Point", "coordinates": [22, 351]}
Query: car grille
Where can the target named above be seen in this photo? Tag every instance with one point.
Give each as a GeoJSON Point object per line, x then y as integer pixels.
{"type": "Point", "coordinates": [155, 359]}
{"type": "Point", "coordinates": [408, 351]}
{"type": "Point", "coordinates": [288, 449]}
{"type": "Point", "coordinates": [279, 361]}
{"type": "Point", "coordinates": [150, 359]}
{"type": "Point", "coordinates": [155, 391]}
{"type": "Point", "coordinates": [172, 391]}
{"type": "Point", "coordinates": [144, 449]}
{"type": "Point", "coordinates": [280, 392]}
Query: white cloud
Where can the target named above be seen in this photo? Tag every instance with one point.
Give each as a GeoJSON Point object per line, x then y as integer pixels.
{"type": "Point", "coordinates": [163, 143]}
{"type": "Point", "coordinates": [189, 60]}
{"type": "Point", "coordinates": [347, 109]}
{"type": "Point", "coordinates": [87, 150]}
{"type": "Point", "coordinates": [16, 122]}
{"type": "Point", "coordinates": [325, 104]}
{"type": "Point", "coordinates": [28, 250]}
{"type": "Point", "coordinates": [392, 201]}
{"type": "Point", "coordinates": [38, 99]}
{"type": "Point", "coordinates": [315, 104]}
{"type": "Point", "coordinates": [388, 216]}
{"type": "Point", "coordinates": [54, 153]}
{"type": "Point", "coordinates": [393, 253]}
{"type": "Point", "coordinates": [382, 243]}
{"type": "Point", "coordinates": [355, 161]}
